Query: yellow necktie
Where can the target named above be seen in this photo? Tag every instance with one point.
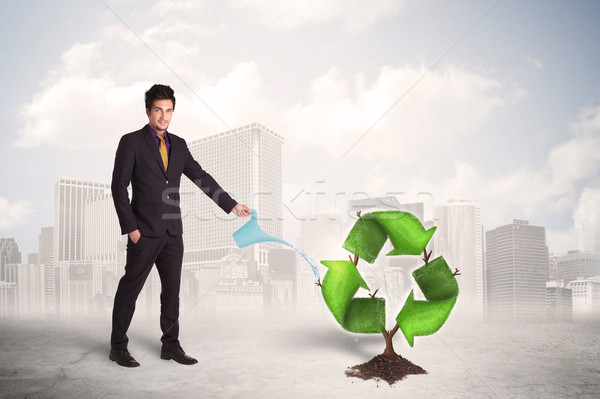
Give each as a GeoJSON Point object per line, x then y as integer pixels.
{"type": "Point", "coordinates": [162, 148]}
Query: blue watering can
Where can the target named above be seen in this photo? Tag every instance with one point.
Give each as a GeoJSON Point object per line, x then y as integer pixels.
{"type": "Point", "coordinates": [250, 234]}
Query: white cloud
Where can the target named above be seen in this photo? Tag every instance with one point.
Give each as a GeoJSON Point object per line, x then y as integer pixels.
{"type": "Point", "coordinates": [13, 214]}
{"type": "Point", "coordinates": [445, 105]}
{"type": "Point", "coordinates": [163, 6]}
{"type": "Point", "coordinates": [531, 193]}
{"type": "Point", "coordinates": [98, 90]}
{"type": "Point", "coordinates": [88, 100]}
{"type": "Point", "coordinates": [579, 158]}
{"type": "Point", "coordinates": [523, 193]}
{"type": "Point", "coordinates": [587, 123]}
{"type": "Point", "coordinates": [535, 62]}
{"type": "Point", "coordinates": [285, 15]}
{"type": "Point", "coordinates": [588, 207]}
{"type": "Point", "coordinates": [171, 33]}
{"type": "Point", "coordinates": [79, 112]}
{"type": "Point", "coordinates": [584, 235]}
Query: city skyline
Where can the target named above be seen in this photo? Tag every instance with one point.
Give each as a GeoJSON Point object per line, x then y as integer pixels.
{"type": "Point", "coordinates": [90, 253]}
{"type": "Point", "coordinates": [394, 96]}
{"type": "Point", "coordinates": [431, 119]}
{"type": "Point", "coordinates": [85, 250]}
{"type": "Point", "coordinates": [576, 236]}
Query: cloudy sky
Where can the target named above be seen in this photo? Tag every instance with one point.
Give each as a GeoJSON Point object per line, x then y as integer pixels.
{"type": "Point", "coordinates": [494, 101]}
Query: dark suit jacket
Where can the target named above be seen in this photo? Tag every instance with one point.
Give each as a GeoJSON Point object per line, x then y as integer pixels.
{"type": "Point", "coordinates": [154, 207]}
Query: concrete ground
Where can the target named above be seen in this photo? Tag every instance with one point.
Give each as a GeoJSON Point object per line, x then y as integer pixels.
{"type": "Point", "coordinates": [298, 358]}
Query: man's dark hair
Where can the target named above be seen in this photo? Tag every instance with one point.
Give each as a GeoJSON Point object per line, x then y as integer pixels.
{"type": "Point", "coordinates": [159, 92]}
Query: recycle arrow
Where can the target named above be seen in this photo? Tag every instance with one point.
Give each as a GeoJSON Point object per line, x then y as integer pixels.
{"type": "Point", "coordinates": [371, 231]}
{"type": "Point", "coordinates": [367, 315]}
{"type": "Point", "coordinates": [358, 315]}
{"type": "Point", "coordinates": [439, 286]}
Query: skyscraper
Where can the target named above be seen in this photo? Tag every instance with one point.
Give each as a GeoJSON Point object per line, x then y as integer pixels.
{"type": "Point", "coordinates": [9, 253]}
{"type": "Point", "coordinates": [102, 234]}
{"type": "Point", "coordinates": [247, 163]}
{"type": "Point", "coordinates": [45, 251]}
{"type": "Point", "coordinates": [576, 264]}
{"type": "Point", "coordinates": [45, 245]}
{"type": "Point", "coordinates": [552, 267]}
{"type": "Point", "coordinates": [517, 269]}
{"type": "Point", "coordinates": [460, 238]}
{"type": "Point", "coordinates": [70, 197]}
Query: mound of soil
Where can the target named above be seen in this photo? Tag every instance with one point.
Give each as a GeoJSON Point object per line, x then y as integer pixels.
{"type": "Point", "coordinates": [389, 368]}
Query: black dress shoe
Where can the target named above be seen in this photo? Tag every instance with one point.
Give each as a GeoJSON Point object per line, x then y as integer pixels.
{"type": "Point", "coordinates": [178, 355]}
{"type": "Point", "coordinates": [123, 358]}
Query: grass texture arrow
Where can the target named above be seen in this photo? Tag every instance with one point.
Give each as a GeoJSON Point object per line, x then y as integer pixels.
{"type": "Point", "coordinates": [439, 286]}
{"type": "Point", "coordinates": [358, 315]}
{"type": "Point", "coordinates": [372, 230]}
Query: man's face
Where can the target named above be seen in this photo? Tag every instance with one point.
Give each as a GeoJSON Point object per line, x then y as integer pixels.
{"type": "Point", "coordinates": [159, 116]}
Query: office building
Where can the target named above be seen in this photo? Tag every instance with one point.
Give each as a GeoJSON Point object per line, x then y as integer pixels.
{"type": "Point", "coordinates": [102, 234]}
{"type": "Point", "coordinates": [559, 301]}
{"type": "Point", "coordinates": [552, 267]}
{"type": "Point", "coordinates": [45, 257]}
{"type": "Point", "coordinates": [577, 264]}
{"type": "Point", "coordinates": [586, 298]}
{"type": "Point", "coordinates": [460, 238]}
{"type": "Point", "coordinates": [45, 245]}
{"type": "Point", "coordinates": [247, 163]}
{"type": "Point", "coordinates": [517, 269]}
{"type": "Point", "coordinates": [9, 253]}
{"type": "Point", "coordinates": [70, 197]}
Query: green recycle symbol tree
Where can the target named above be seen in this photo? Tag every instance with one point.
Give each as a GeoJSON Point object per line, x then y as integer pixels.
{"type": "Point", "coordinates": [367, 315]}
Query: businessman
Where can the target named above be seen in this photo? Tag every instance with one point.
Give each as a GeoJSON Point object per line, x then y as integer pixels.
{"type": "Point", "coordinates": [153, 160]}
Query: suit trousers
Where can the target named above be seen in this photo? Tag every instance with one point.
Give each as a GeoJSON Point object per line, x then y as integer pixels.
{"type": "Point", "coordinates": [167, 253]}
